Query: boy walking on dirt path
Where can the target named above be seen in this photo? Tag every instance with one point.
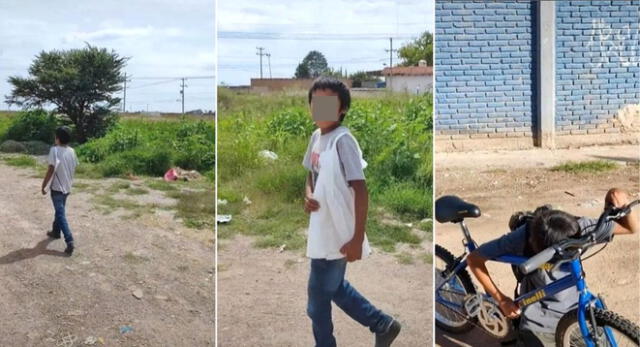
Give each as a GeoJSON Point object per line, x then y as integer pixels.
{"type": "Point", "coordinates": [59, 177]}
{"type": "Point", "coordinates": [546, 227]}
{"type": "Point", "coordinates": [336, 198]}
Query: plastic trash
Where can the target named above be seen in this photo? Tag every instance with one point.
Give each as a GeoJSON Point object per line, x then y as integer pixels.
{"type": "Point", "coordinates": [126, 329]}
{"type": "Point", "coordinates": [171, 175]}
{"type": "Point", "coordinates": [223, 218]}
{"type": "Point", "coordinates": [268, 154]}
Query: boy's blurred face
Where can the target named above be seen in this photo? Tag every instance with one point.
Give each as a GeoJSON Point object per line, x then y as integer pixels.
{"type": "Point", "coordinates": [325, 108]}
{"type": "Point", "coordinates": [57, 141]}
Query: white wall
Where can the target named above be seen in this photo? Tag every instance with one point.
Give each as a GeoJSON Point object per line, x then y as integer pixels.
{"type": "Point", "coordinates": [410, 84]}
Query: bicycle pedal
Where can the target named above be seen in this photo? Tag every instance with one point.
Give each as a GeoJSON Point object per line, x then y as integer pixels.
{"type": "Point", "coordinates": [473, 304]}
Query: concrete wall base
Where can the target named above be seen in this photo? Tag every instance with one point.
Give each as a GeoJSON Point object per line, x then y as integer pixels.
{"type": "Point", "coordinates": [444, 143]}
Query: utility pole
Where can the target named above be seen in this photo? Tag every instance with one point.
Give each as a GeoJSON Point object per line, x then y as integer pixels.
{"type": "Point", "coordinates": [391, 51]}
{"type": "Point", "coordinates": [124, 99]}
{"type": "Point", "coordinates": [269, 60]}
{"type": "Point", "coordinates": [182, 95]}
{"type": "Point", "coordinates": [260, 53]}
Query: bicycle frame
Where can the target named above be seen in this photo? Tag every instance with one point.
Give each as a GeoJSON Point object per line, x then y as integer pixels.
{"type": "Point", "coordinates": [574, 279]}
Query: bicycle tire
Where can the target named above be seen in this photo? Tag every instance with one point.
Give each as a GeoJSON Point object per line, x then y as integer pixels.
{"type": "Point", "coordinates": [464, 278]}
{"type": "Point", "coordinates": [568, 326]}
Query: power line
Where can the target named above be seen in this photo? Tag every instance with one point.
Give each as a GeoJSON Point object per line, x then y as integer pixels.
{"type": "Point", "coordinates": [175, 78]}
{"type": "Point", "coordinates": [244, 35]}
{"type": "Point", "coordinates": [154, 84]}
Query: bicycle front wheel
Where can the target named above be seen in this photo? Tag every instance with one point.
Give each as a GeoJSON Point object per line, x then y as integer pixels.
{"type": "Point", "coordinates": [623, 331]}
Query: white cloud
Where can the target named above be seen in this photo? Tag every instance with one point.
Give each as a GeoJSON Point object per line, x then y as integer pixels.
{"type": "Point", "coordinates": [122, 33]}
{"type": "Point", "coordinates": [162, 38]}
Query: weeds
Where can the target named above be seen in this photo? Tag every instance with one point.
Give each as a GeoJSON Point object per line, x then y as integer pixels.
{"type": "Point", "coordinates": [594, 166]}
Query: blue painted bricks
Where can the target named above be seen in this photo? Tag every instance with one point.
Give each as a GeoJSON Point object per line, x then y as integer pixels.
{"type": "Point", "coordinates": [486, 60]}
{"type": "Point", "coordinates": [597, 62]}
{"type": "Point", "coordinates": [493, 44]}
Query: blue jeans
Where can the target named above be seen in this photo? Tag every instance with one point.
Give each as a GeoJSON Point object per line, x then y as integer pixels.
{"type": "Point", "coordinates": [60, 221]}
{"type": "Point", "coordinates": [326, 284]}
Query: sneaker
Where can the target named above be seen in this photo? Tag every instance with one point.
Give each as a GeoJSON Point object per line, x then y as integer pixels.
{"type": "Point", "coordinates": [69, 249]}
{"type": "Point", "coordinates": [385, 339]}
{"type": "Point", "coordinates": [53, 235]}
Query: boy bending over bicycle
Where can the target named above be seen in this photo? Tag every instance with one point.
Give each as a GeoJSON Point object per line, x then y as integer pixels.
{"type": "Point", "coordinates": [545, 228]}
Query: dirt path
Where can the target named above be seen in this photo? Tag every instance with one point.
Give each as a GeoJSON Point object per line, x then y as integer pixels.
{"type": "Point", "coordinates": [262, 296]}
{"type": "Point", "coordinates": [501, 183]}
{"type": "Point", "coordinates": [47, 298]}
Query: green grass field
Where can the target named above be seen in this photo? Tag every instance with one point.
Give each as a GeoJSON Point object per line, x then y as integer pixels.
{"type": "Point", "coordinates": [394, 132]}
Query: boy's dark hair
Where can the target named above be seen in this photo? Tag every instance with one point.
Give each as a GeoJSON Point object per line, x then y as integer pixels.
{"type": "Point", "coordinates": [549, 227]}
{"type": "Point", "coordinates": [336, 86]}
{"type": "Point", "coordinates": [63, 134]}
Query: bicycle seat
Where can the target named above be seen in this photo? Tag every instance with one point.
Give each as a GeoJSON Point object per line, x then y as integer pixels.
{"type": "Point", "coordinates": [451, 208]}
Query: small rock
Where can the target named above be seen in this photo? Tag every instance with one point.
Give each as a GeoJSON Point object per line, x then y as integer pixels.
{"type": "Point", "coordinates": [161, 297]}
{"type": "Point", "coordinates": [90, 340]}
{"type": "Point", "coordinates": [137, 294]}
{"type": "Point", "coordinates": [246, 200]}
{"type": "Point", "coordinates": [622, 282]}
{"type": "Point", "coordinates": [281, 249]}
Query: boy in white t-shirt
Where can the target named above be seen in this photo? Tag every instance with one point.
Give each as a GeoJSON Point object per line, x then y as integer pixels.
{"type": "Point", "coordinates": [337, 200]}
{"type": "Point", "coordinates": [59, 177]}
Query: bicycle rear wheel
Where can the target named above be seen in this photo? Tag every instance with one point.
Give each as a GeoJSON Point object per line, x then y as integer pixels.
{"type": "Point", "coordinates": [449, 318]}
{"type": "Point", "coordinates": [625, 333]}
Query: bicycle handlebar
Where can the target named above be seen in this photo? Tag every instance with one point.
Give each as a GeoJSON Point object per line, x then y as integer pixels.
{"type": "Point", "coordinates": [585, 241]}
{"type": "Point", "coordinates": [537, 260]}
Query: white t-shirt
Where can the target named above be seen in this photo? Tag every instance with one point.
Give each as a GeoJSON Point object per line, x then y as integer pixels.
{"type": "Point", "coordinates": [333, 225]}
{"type": "Point", "coordinates": [64, 161]}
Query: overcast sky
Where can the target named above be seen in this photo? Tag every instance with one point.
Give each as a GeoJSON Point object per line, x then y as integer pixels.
{"type": "Point", "coordinates": [163, 38]}
{"type": "Point", "coordinates": [351, 34]}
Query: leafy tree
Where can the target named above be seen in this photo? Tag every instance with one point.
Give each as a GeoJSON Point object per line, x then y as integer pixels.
{"type": "Point", "coordinates": [80, 83]}
{"type": "Point", "coordinates": [312, 66]}
{"type": "Point", "coordinates": [419, 49]}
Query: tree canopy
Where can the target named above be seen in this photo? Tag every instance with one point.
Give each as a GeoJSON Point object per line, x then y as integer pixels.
{"type": "Point", "coordinates": [80, 83]}
{"type": "Point", "coordinates": [313, 65]}
{"type": "Point", "coordinates": [416, 50]}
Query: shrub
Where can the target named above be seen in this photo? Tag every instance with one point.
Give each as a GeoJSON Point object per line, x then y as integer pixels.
{"type": "Point", "coordinates": [37, 147]}
{"type": "Point", "coordinates": [32, 125]}
{"type": "Point", "coordinates": [143, 161]}
{"type": "Point", "coordinates": [11, 146]}
{"type": "Point", "coordinates": [194, 146]}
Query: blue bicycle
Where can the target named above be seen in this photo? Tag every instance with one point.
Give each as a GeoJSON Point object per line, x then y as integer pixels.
{"type": "Point", "coordinates": [459, 307]}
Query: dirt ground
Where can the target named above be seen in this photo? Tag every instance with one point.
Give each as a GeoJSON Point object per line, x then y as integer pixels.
{"type": "Point", "coordinates": [262, 297]}
{"type": "Point", "coordinates": [503, 182]}
{"type": "Point", "coordinates": [48, 299]}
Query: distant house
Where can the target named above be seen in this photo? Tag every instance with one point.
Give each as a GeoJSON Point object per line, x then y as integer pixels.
{"type": "Point", "coordinates": [280, 84]}
{"type": "Point", "coordinates": [409, 79]}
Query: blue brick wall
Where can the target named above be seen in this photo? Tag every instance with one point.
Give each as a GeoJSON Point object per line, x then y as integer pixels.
{"type": "Point", "coordinates": [485, 66]}
{"type": "Point", "coordinates": [597, 63]}
{"type": "Point", "coordinates": [484, 74]}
